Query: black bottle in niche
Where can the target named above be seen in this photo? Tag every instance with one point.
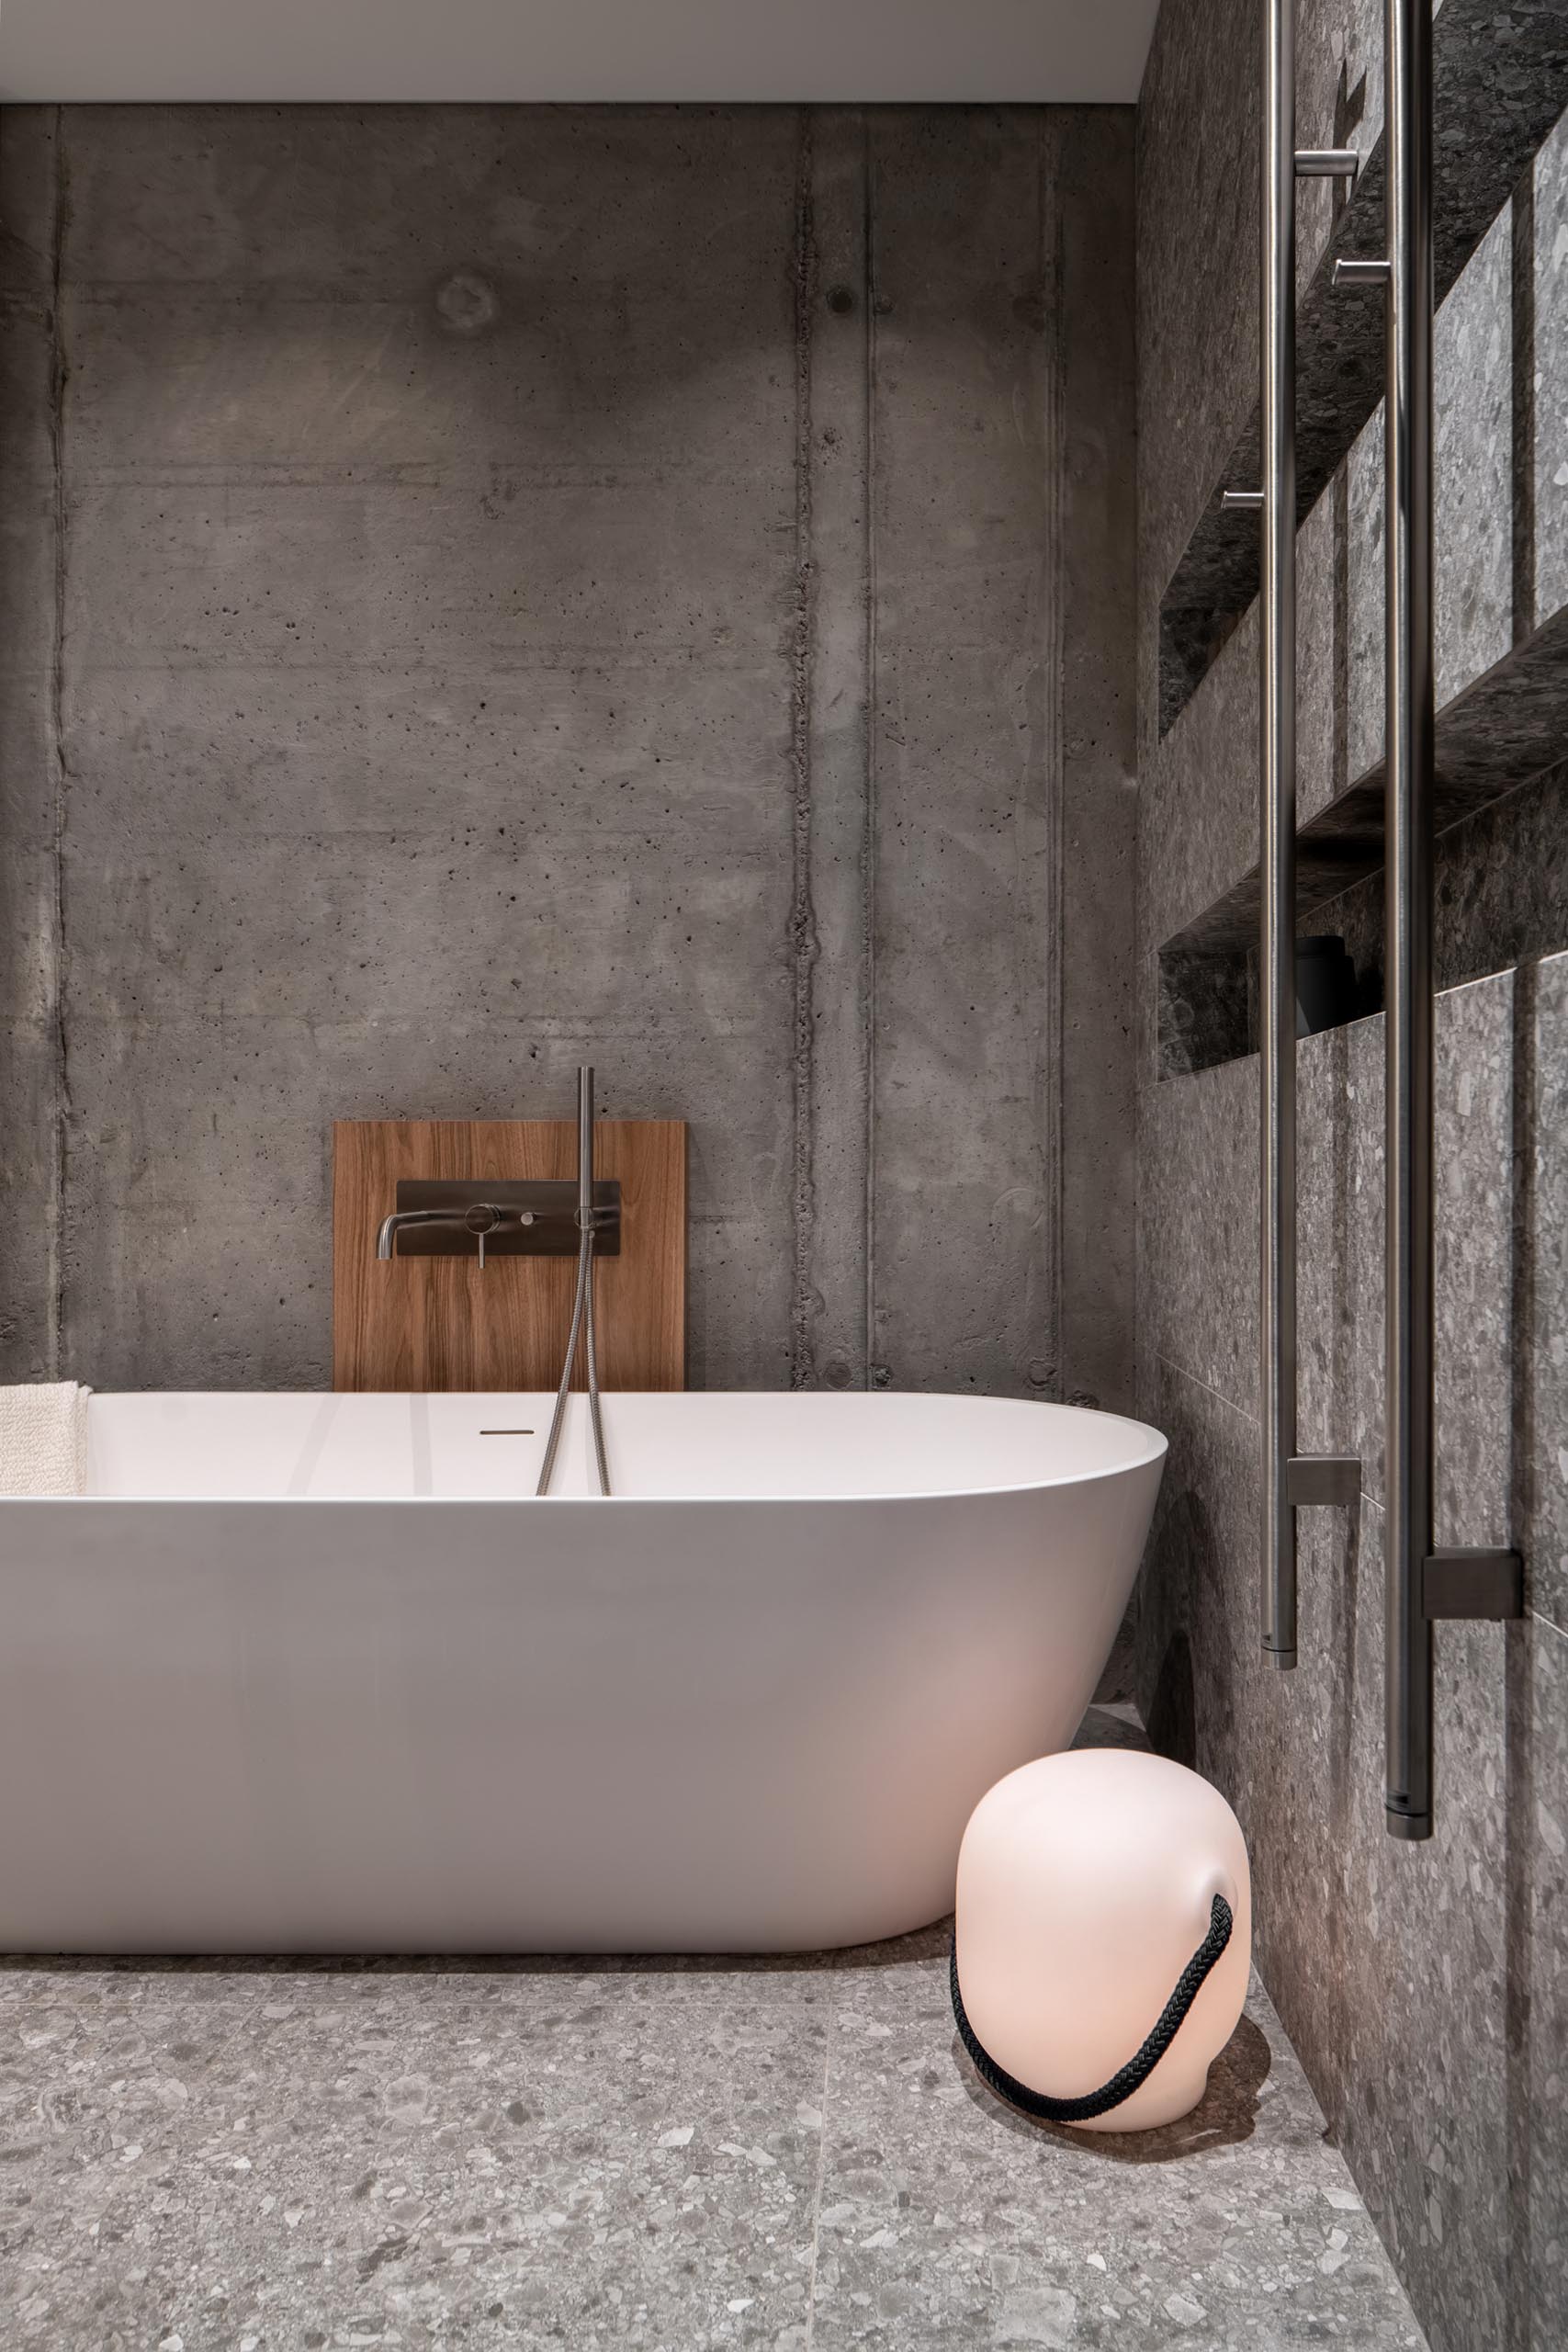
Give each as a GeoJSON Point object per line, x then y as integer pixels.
{"type": "Point", "coordinates": [1326, 983]}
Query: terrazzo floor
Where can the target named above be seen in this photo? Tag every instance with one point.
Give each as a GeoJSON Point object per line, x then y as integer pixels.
{"type": "Point", "coordinates": [295, 2157]}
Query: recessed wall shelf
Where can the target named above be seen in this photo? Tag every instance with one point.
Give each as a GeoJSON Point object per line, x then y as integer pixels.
{"type": "Point", "coordinates": [1510, 726]}
{"type": "Point", "coordinates": [1500, 81]}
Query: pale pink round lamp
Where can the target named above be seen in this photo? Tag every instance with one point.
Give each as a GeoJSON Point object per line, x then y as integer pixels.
{"type": "Point", "coordinates": [1102, 1937]}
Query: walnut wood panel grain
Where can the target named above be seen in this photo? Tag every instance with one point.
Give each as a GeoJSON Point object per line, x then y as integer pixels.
{"type": "Point", "coordinates": [440, 1323]}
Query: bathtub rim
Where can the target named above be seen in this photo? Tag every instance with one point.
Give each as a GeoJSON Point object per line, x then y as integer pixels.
{"type": "Point", "coordinates": [1149, 1451]}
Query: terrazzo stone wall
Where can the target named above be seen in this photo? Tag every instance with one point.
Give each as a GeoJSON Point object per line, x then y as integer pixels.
{"type": "Point", "coordinates": [1425, 1986]}
{"type": "Point", "coordinates": [488, 588]}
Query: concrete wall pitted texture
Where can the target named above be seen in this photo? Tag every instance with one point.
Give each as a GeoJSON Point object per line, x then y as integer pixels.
{"type": "Point", "coordinates": [490, 587]}
{"type": "Point", "coordinates": [1426, 1987]}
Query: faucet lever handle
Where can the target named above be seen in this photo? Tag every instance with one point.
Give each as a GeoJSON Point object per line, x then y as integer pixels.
{"type": "Point", "coordinates": [483, 1219]}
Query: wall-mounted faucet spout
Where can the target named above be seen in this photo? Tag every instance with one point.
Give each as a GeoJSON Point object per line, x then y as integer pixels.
{"type": "Point", "coordinates": [483, 1218]}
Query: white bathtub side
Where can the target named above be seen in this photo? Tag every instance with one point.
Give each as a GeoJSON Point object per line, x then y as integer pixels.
{"type": "Point", "coordinates": [699, 1725]}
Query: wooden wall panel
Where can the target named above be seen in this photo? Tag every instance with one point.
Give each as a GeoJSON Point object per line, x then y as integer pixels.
{"type": "Point", "coordinates": [440, 1323]}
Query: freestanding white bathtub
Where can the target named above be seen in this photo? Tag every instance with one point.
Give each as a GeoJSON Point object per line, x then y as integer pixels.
{"type": "Point", "coordinates": [316, 1673]}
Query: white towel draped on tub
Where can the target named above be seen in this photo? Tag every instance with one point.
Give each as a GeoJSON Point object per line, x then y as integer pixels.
{"type": "Point", "coordinates": [43, 1439]}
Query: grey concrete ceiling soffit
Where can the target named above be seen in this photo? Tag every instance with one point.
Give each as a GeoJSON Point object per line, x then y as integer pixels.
{"type": "Point", "coordinates": [925, 51]}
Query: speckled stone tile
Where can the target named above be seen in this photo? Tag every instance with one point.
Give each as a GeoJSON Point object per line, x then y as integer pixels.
{"type": "Point", "coordinates": [1339, 103]}
{"type": "Point", "coordinates": [1500, 879]}
{"type": "Point", "coordinates": [1538, 1960]}
{"type": "Point", "coordinates": [1473, 464]}
{"type": "Point", "coordinates": [1498, 82]}
{"type": "Point", "coordinates": [1473, 360]}
{"type": "Point", "coordinates": [1425, 1986]}
{"type": "Point", "coordinates": [1543, 1259]}
{"type": "Point", "coordinates": [1198, 793]}
{"type": "Point", "coordinates": [1364, 599]}
{"type": "Point", "coordinates": [277, 2156]}
{"type": "Point", "coordinates": [1424, 1990]}
{"type": "Point", "coordinates": [946, 2218]}
{"type": "Point", "coordinates": [1358, 1267]}
{"type": "Point", "coordinates": [1474, 1274]}
{"type": "Point", "coordinates": [424, 2159]}
{"type": "Point", "coordinates": [1500, 884]}
{"type": "Point", "coordinates": [1197, 268]}
{"type": "Point", "coordinates": [1198, 1219]}
{"type": "Point", "coordinates": [1356, 1930]}
{"type": "Point", "coordinates": [1320, 746]}
{"type": "Point", "coordinates": [1549, 387]}
{"type": "Point", "coordinates": [1328, 1067]}
{"type": "Point", "coordinates": [1278, 1743]}
{"type": "Point", "coordinates": [1341, 1179]}
{"type": "Point", "coordinates": [1205, 1009]}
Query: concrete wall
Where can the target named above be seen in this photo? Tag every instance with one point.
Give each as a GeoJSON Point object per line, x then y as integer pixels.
{"type": "Point", "coordinates": [1426, 1987]}
{"type": "Point", "coordinates": [486, 588]}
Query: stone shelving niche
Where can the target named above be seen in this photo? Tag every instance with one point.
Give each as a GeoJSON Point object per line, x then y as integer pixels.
{"type": "Point", "coordinates": [1500, 81]}
{"type": "Point", "coordinates": [1501, 871]}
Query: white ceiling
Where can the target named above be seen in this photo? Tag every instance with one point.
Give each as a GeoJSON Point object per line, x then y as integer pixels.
{"type": "Point", "coordinates": [1069, 51]}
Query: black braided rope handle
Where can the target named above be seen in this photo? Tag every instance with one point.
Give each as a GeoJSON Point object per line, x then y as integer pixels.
{"type": "Point", "coordinates": [1135, 2071]}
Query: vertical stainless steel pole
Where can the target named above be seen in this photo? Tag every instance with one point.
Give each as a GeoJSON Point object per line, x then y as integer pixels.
{"type": "Point", "coordinates": [1289, 1480]}
{"type": "Point", "coordinates": [1422, 1582]}
{"type": "Point", "coordinates": [1410, 722]}
{"type": "Point", "coordinates": [1277, 1025]}
{"type": "Point", "coordinates": [1410, 725]}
